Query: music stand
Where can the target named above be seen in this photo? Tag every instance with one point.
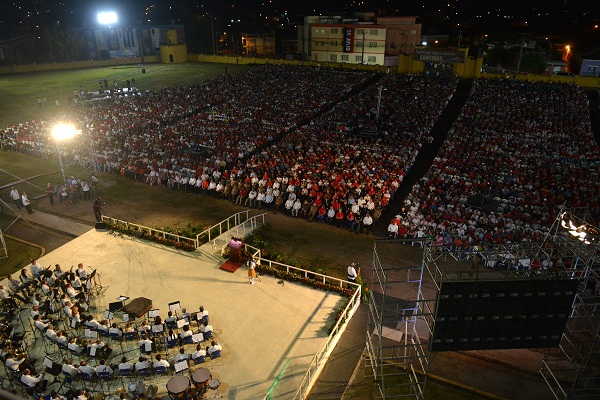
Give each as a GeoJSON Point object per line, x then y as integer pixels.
{"type": "Point", "coordinates": [175, 306]}
{"type": "Point", "coordinates": [181, 323]}
{"type": "Point", "coordinates": [181, 366]}
{"type": "Point", "coordinates": [53, 369]}
{"type": "Point", "coordinates": [153, 313]}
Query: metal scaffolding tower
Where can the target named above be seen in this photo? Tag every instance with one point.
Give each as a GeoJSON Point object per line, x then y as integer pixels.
{"type": "Point", "coordinates": [3, 250]}
{"type": "Point", "coordinates": [400, 323]}
{"type": "Point", "coordinates": [574, 373]}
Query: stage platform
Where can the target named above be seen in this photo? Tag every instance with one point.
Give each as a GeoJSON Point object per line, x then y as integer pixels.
{"type": "Point", "coordinates": [262, 327]}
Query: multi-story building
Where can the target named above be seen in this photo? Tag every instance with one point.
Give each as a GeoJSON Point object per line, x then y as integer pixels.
{"type": "Point", "coordinates": [402, 34]}
{"type": "Point", "coordinates": [362, 39]}
{"type": "Point", "coordinates": [348, 43]}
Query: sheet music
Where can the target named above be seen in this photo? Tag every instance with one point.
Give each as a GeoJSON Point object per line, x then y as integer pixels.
{"type": "Point", "coordinates": [175, 306]}
{"type": "Point", "coordinates": [153, 313]}
{"type": "Point", "coordinates": [125, 317]}
{"type": "Point", "coordinates": [93, 351]}
{"type": "Point", "coordinates": [47, 362]}
{"type": "Point", "coordinates": [181, 366]}
{"type": "Point", "coordinates": [148, 346]}
{"type": "Point", "coordinates": [197, 338]}
{"type": "Point", "coordinates": [108, 315]}
{"type": "Point", "coordinates": [73, 323]}
{"type": "Point", "coordinates": [157, 328]}
{"type": "Point", "coordinates": [181, 323]}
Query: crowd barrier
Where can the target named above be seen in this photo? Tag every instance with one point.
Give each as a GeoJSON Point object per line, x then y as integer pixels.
{"type": "Point", "coordinates": [208, 234]}
{"type": "Point", "coordinates": [130, 225]}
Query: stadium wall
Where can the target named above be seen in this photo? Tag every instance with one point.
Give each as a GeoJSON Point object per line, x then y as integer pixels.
{"type": "Point", "coordinates": [176, 53]}
{"type": "Point", "coordinates": [471, 68]}
{"type": "Point", "coordinates": [259, 60]}
{"type": "Point", "coordinates": [20, 69]}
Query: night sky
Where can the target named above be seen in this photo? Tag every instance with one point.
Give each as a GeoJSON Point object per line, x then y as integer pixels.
{"type": "Point", "coordinates": [18, 17]}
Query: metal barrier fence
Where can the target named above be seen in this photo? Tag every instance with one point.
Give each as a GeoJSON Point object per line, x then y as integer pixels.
{"type": "Point", "coordinates": [318, 362]}
{"type": "Point", "coordinates": [237, 219]}
{"type": "Point", "coordinates": [223, 226]}
{"type": "Point", "coordinates": [142, 228]}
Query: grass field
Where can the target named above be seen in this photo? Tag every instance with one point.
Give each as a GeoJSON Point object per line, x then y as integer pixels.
{"type": "Point", "coordinates": [319, 247]}
{"type": "Point", "coordinates": [19, 254]}
{"type": "Point", "coordinates": [18, 93]}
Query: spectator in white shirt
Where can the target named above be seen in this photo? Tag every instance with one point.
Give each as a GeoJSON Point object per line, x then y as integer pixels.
{"type": "Point", "coordinates": [103, 368]}
{"type": "Point", "coordinates": [39, 323]}
{"type": "Point", "coordinates": [125, 365]}
{"type": "Point", "coordinates": [86, 369]}
{"type": "Point", "coordinates": [141, 364]}
{"type": "Point", "coordinates": [73, 346]}
{"type": "Point", "coordinates": [15, 196]}
{"type": "Point", "coordinates": [35, 269]}
{"type": "Point", "coordinates": [214, 347]}
{"type": "Point", "coordinates": [160, 362]}
{"type": "Point", "coordinates": [367, 222]}
{"type": "Point", "coordinates": [142, 344]}
{"type": "Point", "coordinates": [393, 230]}
{"type": "Point", "coordinates": [12, 363]}
{"type": "Point", "coordinates": [69, 368]}
{"type": "Point", "coordinates": [200, 352]}
{"type": "Point", "coordinates": [352, 273]}
{"type": "Point", "coordinates": [51, 333]}
{"type": "Point", "coordinates": [187, 332]}
{"type": "Point", "coordinates": [81, 272]}
{"type": "Point", "coordinates": [32, 381]}
{"type": "Point", "coordinates": [206, 329]}
{"type": "Point", "coordinates": [114, 331]}
{"type": "Point", "coordinates": [181, 356]}
{"type": "Point", "coordinates": [26, 202]}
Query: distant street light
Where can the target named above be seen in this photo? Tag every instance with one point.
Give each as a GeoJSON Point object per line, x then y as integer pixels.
{"type": "Point", "coordinates": [61, 132]}
{"type": "Point", "coordinates": [107, 17]}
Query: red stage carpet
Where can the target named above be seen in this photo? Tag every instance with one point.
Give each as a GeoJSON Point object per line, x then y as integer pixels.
{"type": "Point", "coordinates": [230, 266]}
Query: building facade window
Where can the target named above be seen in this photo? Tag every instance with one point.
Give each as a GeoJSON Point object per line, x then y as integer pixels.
{"type": "Point", "coordinates": [371, 59]}
{"type": "Point", "coordinates": [374, 32]}
{"type": "Point", "coordinates": [372, 44]}
{"type": "Point", "coordinates": [344, 57]}
{"type": "Point", "coordinates": [333, 57]}
{"type": "Point", "coordinates": [358, 59]}
{"type": "Point", "coordinates": [334, 30]}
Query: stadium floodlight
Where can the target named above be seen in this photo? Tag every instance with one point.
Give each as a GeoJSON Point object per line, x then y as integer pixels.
{"type": "Point", "coordinates": [60, 132]}
{"type": "Point", "coordinates": [424, 43]}
{"type": "Point", "coordinates": [107, 17]}
{"type": "Point", "coordinates": [64, 130]}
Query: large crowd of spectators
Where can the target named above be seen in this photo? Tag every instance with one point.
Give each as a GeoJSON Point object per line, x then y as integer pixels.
{"type": "Point", "coordinates": [262, 138]}
{"type": "Point", "coordinates": [517, 153]}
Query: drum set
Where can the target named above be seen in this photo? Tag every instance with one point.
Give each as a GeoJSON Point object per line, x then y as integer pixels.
{"type": "Point", "coordinates": [192, 386]}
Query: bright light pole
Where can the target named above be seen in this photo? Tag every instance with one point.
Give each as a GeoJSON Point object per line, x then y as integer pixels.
{"type": "Point", "coordinates": [107, 17]}
{"type": "Point", "coordinates": [60, 132]}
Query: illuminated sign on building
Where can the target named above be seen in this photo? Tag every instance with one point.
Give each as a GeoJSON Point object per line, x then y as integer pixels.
{"type": "Point", "coordinates": [348, 40]}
